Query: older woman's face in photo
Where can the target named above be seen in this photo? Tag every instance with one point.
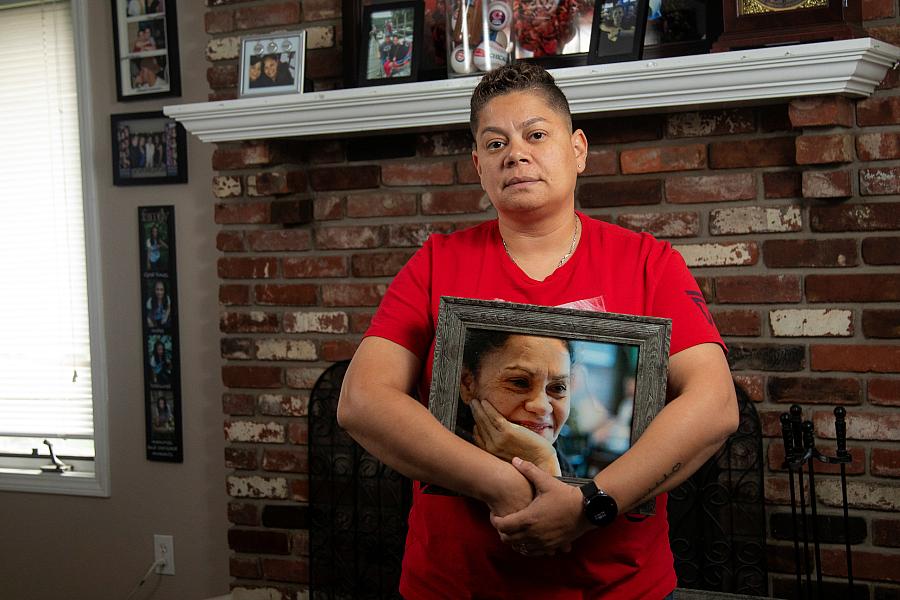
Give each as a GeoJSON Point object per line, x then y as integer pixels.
{"type": "Point", "coordinates": [527, 381]}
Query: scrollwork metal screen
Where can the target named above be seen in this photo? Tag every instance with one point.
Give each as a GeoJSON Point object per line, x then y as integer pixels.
{"type": "Point", "coordinates": [717, 518]}
{"type": "Point", "coordinates": [358, 507]}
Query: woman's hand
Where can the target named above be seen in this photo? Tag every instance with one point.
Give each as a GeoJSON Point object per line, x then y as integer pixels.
{"type": "Point", "coordinates": [506, 440]}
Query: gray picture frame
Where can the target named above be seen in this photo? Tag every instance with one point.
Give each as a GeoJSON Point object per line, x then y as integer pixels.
{"type": "Point", "coordinates": [456, 316]}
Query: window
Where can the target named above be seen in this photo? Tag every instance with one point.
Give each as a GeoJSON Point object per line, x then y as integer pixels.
{"type": "Point", "coordinates": [51, 387]}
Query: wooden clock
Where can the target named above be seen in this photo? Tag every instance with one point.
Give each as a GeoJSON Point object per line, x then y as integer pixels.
{"type": "Point", "coordinates": [758, 23]}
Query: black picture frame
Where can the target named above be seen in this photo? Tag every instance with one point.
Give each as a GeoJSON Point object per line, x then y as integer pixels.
{"type": "Point", "coordinates": [160, 334]}
{"type": "Point", "coordinates": [372, 68]}
{"type": "Point", "coordinates": [592, 340]}
{"type": "Point", "coordinates": [618, 31]}
{"type": "Point", "coordinates": [681, 27]}
{"type": "Point", "coordinates": [130, 152]}
{"type": "Point", "coordinates": [146, 49]}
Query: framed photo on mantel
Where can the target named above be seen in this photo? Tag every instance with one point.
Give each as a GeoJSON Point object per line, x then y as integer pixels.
{"type": "Point", "coordinates": [145, 35]}
{"type": "Point", "coordinates": [390, 41]}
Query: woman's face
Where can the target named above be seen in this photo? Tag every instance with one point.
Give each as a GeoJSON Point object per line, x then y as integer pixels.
{"type": "Point", "coordinates": [154, 232]}
{"type": "Point", "coordinates": [160, 349]}
{"type": "Point", "coordinates": [526, 154]}
{"type": "Point", "coordinates": [527, 381]}
{"type": "Point", "coordinates": [270, 67]}
{"type": "Point", "coordinates": [159, 290]}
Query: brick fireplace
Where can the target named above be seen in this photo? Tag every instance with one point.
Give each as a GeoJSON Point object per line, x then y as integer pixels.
{"type": "Point", "coordinates": [788, 215]}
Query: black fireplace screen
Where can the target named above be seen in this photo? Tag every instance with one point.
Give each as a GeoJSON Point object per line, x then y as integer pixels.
{"type": "Point", "coordinates": [359, 508]}
{"type": "Point", "coordinates": [717, 526]}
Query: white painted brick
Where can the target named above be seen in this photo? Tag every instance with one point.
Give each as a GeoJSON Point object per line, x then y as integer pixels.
{"type": "Point", "coordinates": [251, 431]}
{"type": "Point", "coordinates": [755, 219]}
{"type": "Point", "coordinates": [860, 494]}
{"type": "Point", "coordinates": [319, 37]}
{"type": "Point", "coordinates": [283, 405]}
{"type": "Point", "coordinates": [226, 186]}
{"type": "Point", "coordinates": [302, 377]}
{"type": "Point", "coordinates": [275, 349]}
{"type": "Point", "coordinates": [258, 316]}
{"type": "Point", "coordinates": [255, 486]}
{"type": "Point", "coordinates": [811, 323]}
{"type": "Point", "coordinates": [862, 426]}
{"type": "Point", "coordinates": [717, 255]}
{"type": "Point", "coordinates": [321, 322]}
{"type": "Point", "coordinates": [225, 48]}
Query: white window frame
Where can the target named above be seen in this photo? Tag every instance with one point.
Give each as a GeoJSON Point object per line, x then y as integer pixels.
{"type": "Point", "coordinates": [20, 474]}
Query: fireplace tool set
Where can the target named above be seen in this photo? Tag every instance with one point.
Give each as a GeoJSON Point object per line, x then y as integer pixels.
{"type": "Point", "coordinates": [801, 453]}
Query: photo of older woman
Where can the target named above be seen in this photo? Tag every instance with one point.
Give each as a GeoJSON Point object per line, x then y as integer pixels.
{"type": "Point", "coordinates": [518, 390]}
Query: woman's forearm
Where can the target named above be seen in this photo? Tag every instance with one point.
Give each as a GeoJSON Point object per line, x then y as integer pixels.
{"type": "Point", "coordinates": [399, 431]}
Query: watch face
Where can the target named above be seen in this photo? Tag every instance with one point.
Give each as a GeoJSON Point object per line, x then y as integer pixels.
{"type": "Point", "coordinates": [600, 509]}
{"type": "Point", "coordinates": [758, 7]}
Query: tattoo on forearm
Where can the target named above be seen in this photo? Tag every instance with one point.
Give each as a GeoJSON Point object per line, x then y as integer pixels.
{"type": "Point", "coordinates": [652, 491]}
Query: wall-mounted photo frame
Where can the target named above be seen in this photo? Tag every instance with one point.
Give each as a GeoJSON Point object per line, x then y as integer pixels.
{"type": "Point", "coordinates": [618, 31]}
{"type": "Point", "coordinates": [160, 337]}
{"type": "Point", "coordinates": [553, 34]}
{"type": "Point", "coordinates": [148, 148]}
{"type": "Point", "coordinates": [573, 389]}
{"type": "Point", "coordinates": [273, 63]}
{"type": "Point", "coordinates": [390, 43]}
{"type": "Point", "coordinates": [145, 35]}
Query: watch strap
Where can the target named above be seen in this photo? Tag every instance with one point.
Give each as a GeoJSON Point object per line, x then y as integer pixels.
{"type": "Point", "coordinates": [589, 489]}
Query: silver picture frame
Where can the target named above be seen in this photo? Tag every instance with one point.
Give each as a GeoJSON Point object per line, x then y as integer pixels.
{"type": "Point", "coordinates": [272, 63]}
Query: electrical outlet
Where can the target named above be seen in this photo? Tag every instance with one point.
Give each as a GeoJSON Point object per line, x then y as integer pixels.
{"type": "Point", "coordinates": [164, 549]}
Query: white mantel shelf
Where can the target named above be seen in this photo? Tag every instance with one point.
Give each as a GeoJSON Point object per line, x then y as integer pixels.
{"type": "Point", "coordinates": [847, 67]}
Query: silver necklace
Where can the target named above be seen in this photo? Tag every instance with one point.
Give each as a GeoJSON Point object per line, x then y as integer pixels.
{"type": "Point", "coordinates": [565, 256]}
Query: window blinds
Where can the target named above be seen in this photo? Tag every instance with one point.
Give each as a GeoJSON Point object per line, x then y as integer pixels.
{"type": "Point", "coordinates": [45, 376]}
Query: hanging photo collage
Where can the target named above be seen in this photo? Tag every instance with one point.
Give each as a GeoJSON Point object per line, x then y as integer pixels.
{"type": "Point", "coordinates": [159, 315]}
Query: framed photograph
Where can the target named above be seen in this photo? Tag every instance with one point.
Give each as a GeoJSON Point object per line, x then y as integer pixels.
{"type": "Point", "coordinates": [160, 341]}
{"type": "Point", "coordinates": [619, 27]}
{"type": "Point", "coordinates": [148, 149]}
{"type": "Point", "coordinates": [553, 34]}
{"type": "Point", "coordinates": [145, 34]}
{"type": "Point", "coordinates": [273, 63]}
{"type": "Point", "coordinates": [390, 44]}
{"type": "Point", "coordinates": [681, 27]}
{"type": "Point", "coordinates": [570, 390]}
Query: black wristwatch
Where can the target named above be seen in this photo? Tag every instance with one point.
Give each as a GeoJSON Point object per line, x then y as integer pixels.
{"type": "Point", "coordinates": [599, 507]}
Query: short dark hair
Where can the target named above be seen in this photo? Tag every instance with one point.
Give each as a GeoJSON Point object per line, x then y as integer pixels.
{"type": "Point", "coordinates": [481, 342]}
{"type": "Point", "coordinates": [518, 77]}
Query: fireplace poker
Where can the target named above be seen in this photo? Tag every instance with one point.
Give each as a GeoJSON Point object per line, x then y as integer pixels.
{"type": "Point", "coordinates": [788, 437]}
{"type": "Point", "coordinates": [797, 462]}
{"type": "Point", "coordinates": [843, 457]}
{"type": "Point", "coordinates": [810, 454]}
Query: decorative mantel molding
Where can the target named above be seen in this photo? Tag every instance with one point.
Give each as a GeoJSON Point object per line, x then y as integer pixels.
{"type": "Point", "coordinates": [847, 67]}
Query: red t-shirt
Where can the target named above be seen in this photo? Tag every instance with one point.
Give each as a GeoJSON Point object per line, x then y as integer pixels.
{"type": "Point", "coordinates": [452, 551]}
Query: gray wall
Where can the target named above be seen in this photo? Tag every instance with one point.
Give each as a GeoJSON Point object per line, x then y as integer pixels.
{"type": "Point", "coordinates": [66, 547]}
